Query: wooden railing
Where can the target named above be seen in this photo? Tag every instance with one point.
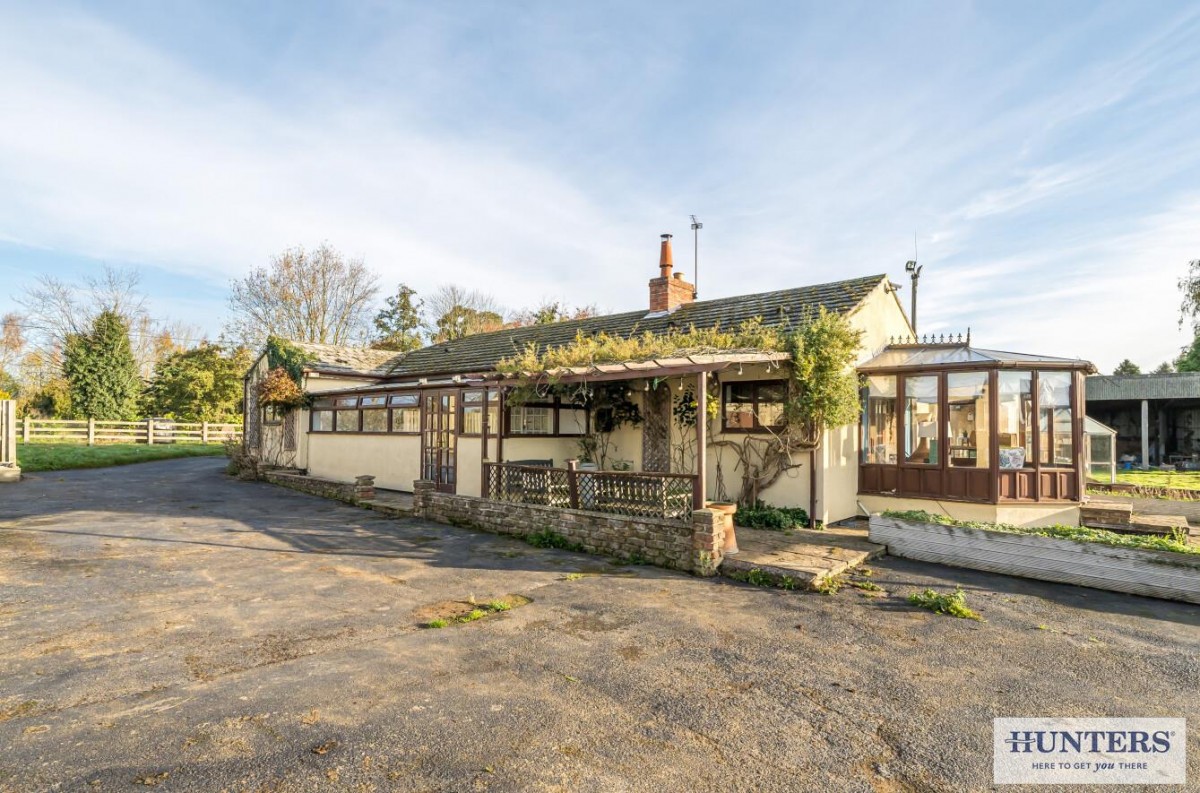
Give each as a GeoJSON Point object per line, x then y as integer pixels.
{"type": "Point", "coordinates": [152, 431]}
{"type": "Point", "coordinates": [633, 493]}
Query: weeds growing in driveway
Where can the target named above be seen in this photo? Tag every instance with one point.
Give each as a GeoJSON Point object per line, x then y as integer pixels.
{"type": "Point", "coordinates": [436, 624]}
{"type": "Point", "coordinates": [952, 603]}
{"type": "Point", "coordinates": [548, 538]}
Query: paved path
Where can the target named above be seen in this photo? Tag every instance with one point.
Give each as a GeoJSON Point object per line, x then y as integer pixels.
{"type": "Point", "coordinates": [806, 557]}
{"type": "Point", "coordinates": [163, 619]}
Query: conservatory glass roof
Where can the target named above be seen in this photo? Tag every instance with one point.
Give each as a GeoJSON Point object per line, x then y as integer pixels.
{"type": "Point", "coordinates": [924, 356]}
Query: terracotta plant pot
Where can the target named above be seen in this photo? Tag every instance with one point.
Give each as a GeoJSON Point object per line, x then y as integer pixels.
{"type": "Point", "coordinates": [727, 511]}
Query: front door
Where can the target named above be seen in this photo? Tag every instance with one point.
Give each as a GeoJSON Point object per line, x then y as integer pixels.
{"type": "Point", "coordinates": [439, 438]}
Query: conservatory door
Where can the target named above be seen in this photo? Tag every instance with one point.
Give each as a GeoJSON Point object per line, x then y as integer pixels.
{"type": "Point", "coordinates": [439, 439]}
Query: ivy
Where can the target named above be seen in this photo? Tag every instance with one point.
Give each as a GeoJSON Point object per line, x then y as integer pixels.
{"type": "Point", "coordinates": [283, 386]}
{"type": "Point", "coordinates": [282, 354]}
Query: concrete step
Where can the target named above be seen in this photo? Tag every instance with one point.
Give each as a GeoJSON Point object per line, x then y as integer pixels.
{"type": "Point", "coordinates": [1147, 524]}
{"type": "Point", "coordinates": [1105, 514]}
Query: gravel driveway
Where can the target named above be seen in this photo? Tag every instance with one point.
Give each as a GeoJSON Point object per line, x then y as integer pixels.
{"type": "Point", "coordinates": [165, 625]}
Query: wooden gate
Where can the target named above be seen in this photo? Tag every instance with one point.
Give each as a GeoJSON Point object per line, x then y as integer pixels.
{"type": "Point", "coordinates": [439, 439]}
{"type": "Point", "coordinates": [8, 432]}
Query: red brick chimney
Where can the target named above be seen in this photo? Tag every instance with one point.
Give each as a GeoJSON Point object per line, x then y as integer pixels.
{"type": "Point", "coordinates": [668, 293]}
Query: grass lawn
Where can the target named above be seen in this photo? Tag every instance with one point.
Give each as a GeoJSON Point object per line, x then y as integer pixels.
{"type": "Point", "coordinates": [1181, 480]}
{"type": "Point", "coordinates": [61, 456]}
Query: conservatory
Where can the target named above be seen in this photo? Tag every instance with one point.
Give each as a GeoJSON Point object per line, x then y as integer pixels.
{"type": "Point", "coordinates": [949, 422]}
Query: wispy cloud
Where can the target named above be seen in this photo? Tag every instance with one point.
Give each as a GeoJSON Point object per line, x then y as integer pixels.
{"type": "Point", "coordinates": [1045, 159]}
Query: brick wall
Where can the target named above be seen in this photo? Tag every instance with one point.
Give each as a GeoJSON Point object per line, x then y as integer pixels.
{"type": "Point", "coordinates": [667, 293]}
{"type": "Point", "coordinates": [694, 546]}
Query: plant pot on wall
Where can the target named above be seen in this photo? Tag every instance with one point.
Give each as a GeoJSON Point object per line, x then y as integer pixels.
{"type": "Point", "coordinates": [727, 511]}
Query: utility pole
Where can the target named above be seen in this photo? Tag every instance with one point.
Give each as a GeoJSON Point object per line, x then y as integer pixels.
{"type": "Point", "coordinates": [914, 272]}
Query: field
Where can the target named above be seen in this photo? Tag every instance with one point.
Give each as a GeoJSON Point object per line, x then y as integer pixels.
{"type": "Point", "coordinates": [1180, 480]}
{"type": "Point", "coordinates": [33, 457]}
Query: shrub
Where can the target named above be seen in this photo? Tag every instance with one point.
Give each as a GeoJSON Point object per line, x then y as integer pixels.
{"type": "Point", "coordinates": [766, 516]}
{"type": "Point", "coordinates": [242, 464]}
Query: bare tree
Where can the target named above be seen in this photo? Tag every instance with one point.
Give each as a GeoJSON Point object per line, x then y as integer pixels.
{"type": "Point", "coordinates": [454, 312]}
{"type": "Point", "coordinates": [550, 311]}
{"type": "Point", "coordinates": [316, 296]}
{"type": "Point", "coordinates": [56, 309]}
{"type": "Point", "coordinates": [12, 342]}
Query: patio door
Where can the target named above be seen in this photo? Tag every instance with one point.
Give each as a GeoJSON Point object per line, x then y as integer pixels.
{"type": "Point", "coordinates": [439, 439]}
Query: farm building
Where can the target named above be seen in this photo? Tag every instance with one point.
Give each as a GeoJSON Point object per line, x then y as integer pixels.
{"type": "Point", "coordinates": [1156, 416]}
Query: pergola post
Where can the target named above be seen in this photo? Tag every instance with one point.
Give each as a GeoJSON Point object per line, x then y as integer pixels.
{"type": "Point", "coordinates": [700, 496]}
{"type": "Point", "coordinates": [1145, 434]}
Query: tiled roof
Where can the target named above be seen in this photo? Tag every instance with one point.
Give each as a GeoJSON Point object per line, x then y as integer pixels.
{"type": "Point", "coordinates": [337, 359]}
{"type": "Point", "coordinates": [481, 353]}
{"type": "Point", "coordinates": [1178, 385]}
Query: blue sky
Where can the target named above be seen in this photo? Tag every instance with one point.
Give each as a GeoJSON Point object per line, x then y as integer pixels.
{"type": "Point", "coordinates": [1045, 155]}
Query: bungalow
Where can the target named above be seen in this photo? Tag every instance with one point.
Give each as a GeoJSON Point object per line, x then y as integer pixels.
{"type": "Point", "coordinates": [945, 426]}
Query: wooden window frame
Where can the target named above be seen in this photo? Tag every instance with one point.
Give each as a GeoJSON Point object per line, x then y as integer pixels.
{"type": "Point", "coordinates": [556, 408]}
{"type": "Point", "coordinates": [491, 398]}
{"type": "Point", "coordinates": [755, 385]}
{"type": "Point", "coordinates": [1031, 476]}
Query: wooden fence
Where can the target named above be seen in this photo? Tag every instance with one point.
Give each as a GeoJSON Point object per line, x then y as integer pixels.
{"type": "Point", "coordinates": [632, 493]}
{"type": "Point", "coordinates": [8, 432]}
{"type": "Point", "coordinates": [152, 431]}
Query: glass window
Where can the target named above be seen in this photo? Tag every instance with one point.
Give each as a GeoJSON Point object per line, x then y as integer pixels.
{"type": "Point", "coordinates": [967, 421]}
{"type": "Point", "coordinates": [373, 401]}
{"type": "Point", "coordinates": [769, 404]}
{"type": "Point", "coordinates": [739, 406]}
{"type": "Point", "coordinates": [879, 424]}
{"type": "Point", "coordinates": [1014, 414]}
{"type": "Point", "coordinates": [405, 400]}
{"type": "Point", "coordinates": [322, 421]}
{"type": "Point", "coordinates": [754, 405]}
{"type": "Point", "coordinates": [347, 402]}
{"type": "Point", "coordinates": [472, 397]}
{"type": "Point", "coordinates": [323, 403]}
{"type": "Point", "coordinates": [921, 419]}
{"type": "Point", "coordinates": [347, 421]}
{"type": "Point", "coordinates": [374, 421]}
{"type": "Point", "coordinates": [407, 419]}
{"type": "Point", "coordinates": [472, 423]}
{"type": "Point", "coordinates": [531, 420]}
{"type": "Point", "coordinates": [572, 421]}
{"type": "Point", "coordinates": [1054, 419]}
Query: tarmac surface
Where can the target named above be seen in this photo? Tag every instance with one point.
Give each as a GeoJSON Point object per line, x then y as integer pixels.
{"type": "Point", "coordinates": [165, 625]}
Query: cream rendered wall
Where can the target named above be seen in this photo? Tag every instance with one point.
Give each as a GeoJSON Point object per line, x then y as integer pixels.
{"type": "Point", "coordinates": [532, 448]}
{"type": "Point", "coordinates": [879, 317]}
{"type": "Point", "coordinates": [394, 460]}
{"type": "Point", "coordinates": [790, 490]}
{"type": "Point", "coordinates": [1031, 514]}
{"type": "Point", "coordinates": [315, 384]}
